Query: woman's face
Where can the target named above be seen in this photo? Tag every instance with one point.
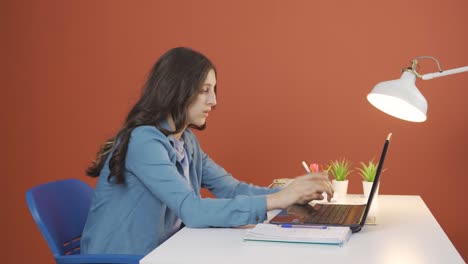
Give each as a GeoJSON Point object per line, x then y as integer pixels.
{"type": "Point", "coordinates": [206, 99]}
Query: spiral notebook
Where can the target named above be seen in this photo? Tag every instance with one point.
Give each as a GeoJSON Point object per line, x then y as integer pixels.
{"type": "Point", "coordinates": [332, 235]}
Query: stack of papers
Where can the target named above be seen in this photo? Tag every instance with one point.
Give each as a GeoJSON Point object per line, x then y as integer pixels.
{"type": "Point", "coordinates": [333, 235]}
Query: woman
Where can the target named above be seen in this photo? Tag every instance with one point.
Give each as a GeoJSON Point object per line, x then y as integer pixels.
{"type": "Point", "coordinates": [151, 172]}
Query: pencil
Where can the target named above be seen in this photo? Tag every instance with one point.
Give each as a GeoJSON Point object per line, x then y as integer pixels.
{"type": "Point", "coordinates": [305, 166]}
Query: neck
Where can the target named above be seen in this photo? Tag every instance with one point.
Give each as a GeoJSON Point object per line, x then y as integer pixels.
{"type": "Point", "coordinates": [170, 121]}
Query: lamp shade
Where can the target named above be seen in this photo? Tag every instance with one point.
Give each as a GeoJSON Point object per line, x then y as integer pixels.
{"type": "Point", "coordinates": [400, 98]}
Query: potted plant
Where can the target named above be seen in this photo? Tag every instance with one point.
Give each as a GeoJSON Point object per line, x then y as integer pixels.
{"type": "Point", "coordinates": [368, 173]}
{"type": "Point", "coordinates": [340, 170]}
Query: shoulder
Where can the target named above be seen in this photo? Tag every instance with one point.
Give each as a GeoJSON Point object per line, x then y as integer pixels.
{"type": "Point", "coordinates": [148, 135]}
{"type": "Point", "coordinates": [146, 130]}
{"type": "Point", "coordinates": [143, 133]}
{"type": "Point", "coordinates": [148, 142]}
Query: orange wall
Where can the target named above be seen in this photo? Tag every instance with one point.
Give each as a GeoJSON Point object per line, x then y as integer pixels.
{"type": "Point", "coordinates": [293, 76]}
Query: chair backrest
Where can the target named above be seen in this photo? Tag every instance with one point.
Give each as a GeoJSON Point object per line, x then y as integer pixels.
{"type": "Point", "coordinates": [60, 210]}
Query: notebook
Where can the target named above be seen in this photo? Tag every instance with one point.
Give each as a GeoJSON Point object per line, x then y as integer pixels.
{"type": "Point", "coordinates": [353, 216]}
{"type": "Point", "coordinates": [334, 235]}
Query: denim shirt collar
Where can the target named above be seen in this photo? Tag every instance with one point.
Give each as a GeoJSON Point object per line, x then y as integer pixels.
{"type": "Point", "coordinates": [185, 137]}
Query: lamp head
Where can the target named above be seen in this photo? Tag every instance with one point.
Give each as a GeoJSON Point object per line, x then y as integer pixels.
{"type": "Point", "coordinates": [400, 98]}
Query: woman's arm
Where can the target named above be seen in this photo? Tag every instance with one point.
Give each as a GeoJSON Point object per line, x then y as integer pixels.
{"type": "Point", "coordinates": [301, 190]}
{"type": "Point", "coordinates": [148, 159]}
{"type": "Point", "coordinates": [224, 185]}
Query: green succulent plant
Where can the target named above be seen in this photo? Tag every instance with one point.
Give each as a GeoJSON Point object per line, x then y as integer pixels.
{"type": "Point", "coordinates": [369, 171]}
{"type": "Point", "coordinates": [340, 169]}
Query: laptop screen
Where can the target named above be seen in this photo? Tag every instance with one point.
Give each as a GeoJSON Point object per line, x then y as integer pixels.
{"type": "Point", "coordinates": [376, 180]}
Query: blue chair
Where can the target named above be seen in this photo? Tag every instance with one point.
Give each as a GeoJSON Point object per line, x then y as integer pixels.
{"type": "Point", "coordinates": [60, 210]}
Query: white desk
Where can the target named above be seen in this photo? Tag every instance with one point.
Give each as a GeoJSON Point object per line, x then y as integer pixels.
{"type": "Point", "coordinates": [406, 232]}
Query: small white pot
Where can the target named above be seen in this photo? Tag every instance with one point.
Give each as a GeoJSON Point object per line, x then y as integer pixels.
{"type": "Point", "coordinates": [340, 188]}
{"type": "Point", "coordinates": [367, 187]}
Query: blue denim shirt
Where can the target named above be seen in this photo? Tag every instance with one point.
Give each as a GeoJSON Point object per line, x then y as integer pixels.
{"type": "Point", "coordinates": [136, 217]}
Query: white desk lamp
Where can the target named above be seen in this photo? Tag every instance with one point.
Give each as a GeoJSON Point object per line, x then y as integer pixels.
{"type": "Point", "coordinates": [401, 98]}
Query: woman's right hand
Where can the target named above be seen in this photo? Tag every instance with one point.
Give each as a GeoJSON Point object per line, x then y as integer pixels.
{"type": "Point", "coordinates": [301, 190]}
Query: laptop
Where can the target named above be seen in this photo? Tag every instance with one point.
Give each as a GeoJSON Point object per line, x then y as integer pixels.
{"type": "Point", "coordinates": [353, 215]}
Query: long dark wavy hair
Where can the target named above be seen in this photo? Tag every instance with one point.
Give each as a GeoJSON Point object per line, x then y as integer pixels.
{"type": "Point", "coordinates": [173, 84]}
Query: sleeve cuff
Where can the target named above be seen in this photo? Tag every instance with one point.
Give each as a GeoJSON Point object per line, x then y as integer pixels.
{"type": "Point", "coordinates": [258, 209]}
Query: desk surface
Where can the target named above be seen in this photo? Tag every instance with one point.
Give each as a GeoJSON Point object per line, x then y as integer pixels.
{"type": "Point", "coordinates": [406, 232]}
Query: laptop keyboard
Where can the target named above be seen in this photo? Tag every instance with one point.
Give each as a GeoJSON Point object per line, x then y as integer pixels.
{"type": "Point", "coordinates": [325, 214]}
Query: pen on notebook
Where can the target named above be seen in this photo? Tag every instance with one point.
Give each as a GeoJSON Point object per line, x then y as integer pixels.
{"type": "Point", "coordinates": [305, 166]}
{"type": "Point", "coordinates": [303, 226]}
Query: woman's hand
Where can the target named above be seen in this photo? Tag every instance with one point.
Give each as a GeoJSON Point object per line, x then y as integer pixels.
{"type": "Point", "coordinates": [301, 190]}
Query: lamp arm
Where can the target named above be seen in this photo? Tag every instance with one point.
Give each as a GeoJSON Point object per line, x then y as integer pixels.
{"type": "Point", "coordinates": [415, 62]}
{"type": "Point", "coordinates": [429, 76]}
{"type": "Point", "coordinates": [429, 57]}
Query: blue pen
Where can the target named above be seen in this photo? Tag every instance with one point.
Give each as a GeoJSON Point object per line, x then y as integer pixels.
{"type": "Point", "coordinates": [303, 226]}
